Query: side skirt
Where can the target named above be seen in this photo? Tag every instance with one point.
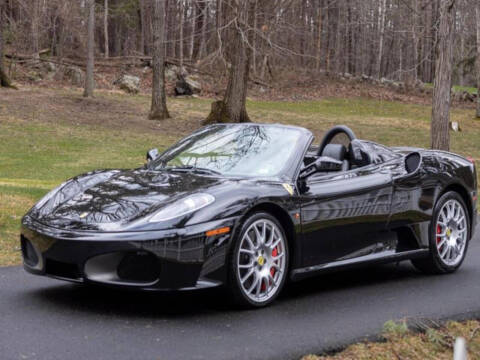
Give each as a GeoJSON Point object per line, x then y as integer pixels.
{"type": "Point", "coordinates": [302, 273]}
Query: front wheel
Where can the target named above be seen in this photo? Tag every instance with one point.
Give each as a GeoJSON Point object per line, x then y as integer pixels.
{"type": "Point", "coordinates": [449, 234]}
{"type": "Point", "coordinates": [259, 261]}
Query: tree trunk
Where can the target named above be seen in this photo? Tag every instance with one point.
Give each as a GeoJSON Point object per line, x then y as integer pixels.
{"type": "Point", "coordinates": [182, 16]}
{"type": "Point", "coordinates": [218, 21]}
{"type": "Point", "coordinates": [142, 27]}
{"type": "Point", "coordinates": [158, 110]}
{"type": "Point", "coordinates": [415, 42]}
{"type": "Point", "coordinates": [477, 63]}
{"type": "Point", "coordinates": [35, 20]}
{"type": "Point", "coordinates": [192, 34]}
{"type": "Point", "coordinates": [302, 42]}
{"type": "Point", "coordinates": [338, 38]}
{"type": "Point", "coordinates": [428, 39]}
{"type": "Point", "coordinates": [61, 38]}
{"type": "Point", "coordinates": [319, 36]}
{"type": "Point", "coordinates": [105, 28]}
{"type": "Point", "coordinates": [2, 3]}
{"type": "Point", "coordinates": [383, 8]}
{"type": "Point", "coordinates": [443, 77]}
{"type": "Point", "coordinates": [89, 82]}
{"type": "Point", "coordinates": [202, 52]}
{"type": "Point", "coordinates": [198, 22]}
{"type": "Point", "coordinates": [461, 70]}
{"type": "Point", "coordinates": [254, 38]}
{"type": "Point", "coordinates": [328, 26]}
{"type": "Point", "coordinates": [4, 80]}
{"type": "Point", "coordinates": [233, 107]}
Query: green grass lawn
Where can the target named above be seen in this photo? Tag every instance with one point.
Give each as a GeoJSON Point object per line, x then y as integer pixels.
{"type": "Point", "coordinates": [48, 136]}
{"type": "Point", "coordinates": [458, 88]}
{"type": "Point", "coordinates": [469, 89]}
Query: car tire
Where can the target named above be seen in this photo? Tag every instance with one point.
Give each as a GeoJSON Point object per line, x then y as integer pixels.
{"type": "Point", "coordinates": [442, 241]}
{"type": "Point", "coordinates": [258, 261]}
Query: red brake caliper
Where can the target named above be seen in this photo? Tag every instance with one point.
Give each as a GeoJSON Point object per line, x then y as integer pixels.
{"type": "Point", "coordinates": [272, 269]}
{"type": "Point", "coordinates": [439, 231]}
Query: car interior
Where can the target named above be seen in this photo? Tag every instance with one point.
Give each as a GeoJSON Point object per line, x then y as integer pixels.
{"type": "Point", "coordinates": [358, 153]}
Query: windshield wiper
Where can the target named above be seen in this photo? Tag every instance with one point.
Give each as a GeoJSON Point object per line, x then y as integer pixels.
{"type": "Point", "coordinates": [194, 168]}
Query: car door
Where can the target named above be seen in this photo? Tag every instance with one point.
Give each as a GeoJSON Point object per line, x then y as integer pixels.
{"type": "Point", "coordinates": [413, 200]}
{"type": "Point", "coordinates": [344, 214]}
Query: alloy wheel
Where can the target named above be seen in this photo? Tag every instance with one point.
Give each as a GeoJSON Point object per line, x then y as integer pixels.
{"type": "Point", "coordinates": [261, 260]}
{"type": "Point", "coordinates": [451, 232]}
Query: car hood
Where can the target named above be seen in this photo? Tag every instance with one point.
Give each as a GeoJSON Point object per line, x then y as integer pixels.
{"type": "Point", "coordinates": [103, 200]}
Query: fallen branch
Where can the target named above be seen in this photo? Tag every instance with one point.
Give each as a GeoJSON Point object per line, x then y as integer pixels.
{"type": "Point", "coordinates": [259, 82]}
{"type": "Point", "coordinates": [27, 57]}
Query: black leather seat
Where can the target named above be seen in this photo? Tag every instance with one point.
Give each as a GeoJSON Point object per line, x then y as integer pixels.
{"type": "Point", "coordinates": [337, 152]}
{"type": "Point", "coordinates": [359, 154]}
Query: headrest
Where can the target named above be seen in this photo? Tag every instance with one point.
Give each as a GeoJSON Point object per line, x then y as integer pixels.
{"type": "Point", "coordinates": [359, 155]}
{"type": "Point", "coordinates": [336, 151]}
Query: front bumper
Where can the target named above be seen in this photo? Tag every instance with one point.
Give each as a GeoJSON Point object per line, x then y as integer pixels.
{"type": "Point", "coordinates": [174, 259]}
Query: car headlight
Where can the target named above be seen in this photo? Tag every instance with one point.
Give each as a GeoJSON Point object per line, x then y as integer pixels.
{"type": "Point", "coordinates": [182, 207]}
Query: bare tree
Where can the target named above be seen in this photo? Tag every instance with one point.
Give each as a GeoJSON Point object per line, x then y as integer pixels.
{"type": "Point", "coordinates": [440, 135]}
{"type": "Point", "coordinates": [319, 35]}
{"type": "Point", "coordinates": [198, 23]}
{"type": "Point", "coordinates": [390, 38]}
{"type": "Point", "coordinates": [477, 63]}
{"type": "Point", "coordinates": [233, 107]}
{"type": "Point", "coordinates": [383, 10]}
{"type": "Point", "coordinates": [35, 28]}
{"type": "Point", "coordinates": [2, 21]}
{"type": "Point", "coordinates": [4, 80]}
{"type": "Point", "coordinates": [182, 14]}
{"type": "Point", "coordinates": [105, 27]}
{"type": "Point", "coordinates": [158, 110]}
{"type": "Point", "coordinates": [89, 81]}
{"type": "Point", "coordinates": [193, 7]}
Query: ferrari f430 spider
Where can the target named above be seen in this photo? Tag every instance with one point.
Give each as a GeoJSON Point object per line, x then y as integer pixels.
{"type": "Point", "coordinates": [250, 206]}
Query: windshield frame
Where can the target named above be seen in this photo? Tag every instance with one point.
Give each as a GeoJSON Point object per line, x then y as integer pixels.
{"type": "Point", "coordinates": [287, 172]}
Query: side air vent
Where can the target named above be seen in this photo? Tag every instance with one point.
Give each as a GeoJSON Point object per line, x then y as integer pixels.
{"type": "Point", "coordinates": [412, 162]}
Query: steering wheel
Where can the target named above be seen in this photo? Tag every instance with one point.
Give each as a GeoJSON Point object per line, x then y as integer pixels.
{"type": "Point", "coordinates": [330, 134]}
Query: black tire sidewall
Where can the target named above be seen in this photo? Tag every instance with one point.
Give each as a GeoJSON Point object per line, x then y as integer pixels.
{"type": "Point", "coordinates": [433, 232]}
{"type": "Point", "coordinates": [233, 280]}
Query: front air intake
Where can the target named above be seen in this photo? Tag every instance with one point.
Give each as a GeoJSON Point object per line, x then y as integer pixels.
{"type": "Point", "coordinates": [139, 266]}
{"type": "Point", "coordinates": [62, 269]}
{"type": "Point", "coordinates": [29, 254]}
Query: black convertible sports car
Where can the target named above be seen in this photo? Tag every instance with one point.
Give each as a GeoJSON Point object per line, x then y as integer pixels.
{"type": "Point", "coordinates": [250, 206]}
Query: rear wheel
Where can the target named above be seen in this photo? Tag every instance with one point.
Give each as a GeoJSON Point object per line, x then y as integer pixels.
{"type": "Point", "coordinates": [449, 234]}
{"type": "Point", "coordinates": [259, 261]}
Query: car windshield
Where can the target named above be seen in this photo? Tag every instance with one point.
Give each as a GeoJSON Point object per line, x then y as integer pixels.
{"type": "Point", "coordinates": [233, 150]}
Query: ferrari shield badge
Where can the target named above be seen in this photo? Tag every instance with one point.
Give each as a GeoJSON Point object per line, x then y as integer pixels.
{"type": "Point", "coordinates": [289, 188]}
{"type": "Point", "coordinates": [261, 260]}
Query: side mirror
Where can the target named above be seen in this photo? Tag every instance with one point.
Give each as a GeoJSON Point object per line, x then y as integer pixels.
{"type": "Point", "coordinates": [323, 163]}
{"type": "Point", "coordinates": [152, 154]}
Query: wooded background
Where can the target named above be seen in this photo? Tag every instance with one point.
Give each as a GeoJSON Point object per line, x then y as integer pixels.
{"type": "Point", "coordinates": [394, 39]}
{"type": "Point", "coordinates": [427, 41]}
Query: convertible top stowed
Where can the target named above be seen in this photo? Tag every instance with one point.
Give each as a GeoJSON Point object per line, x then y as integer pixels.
{"type": "Point", "coordinates": [250, 205]}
